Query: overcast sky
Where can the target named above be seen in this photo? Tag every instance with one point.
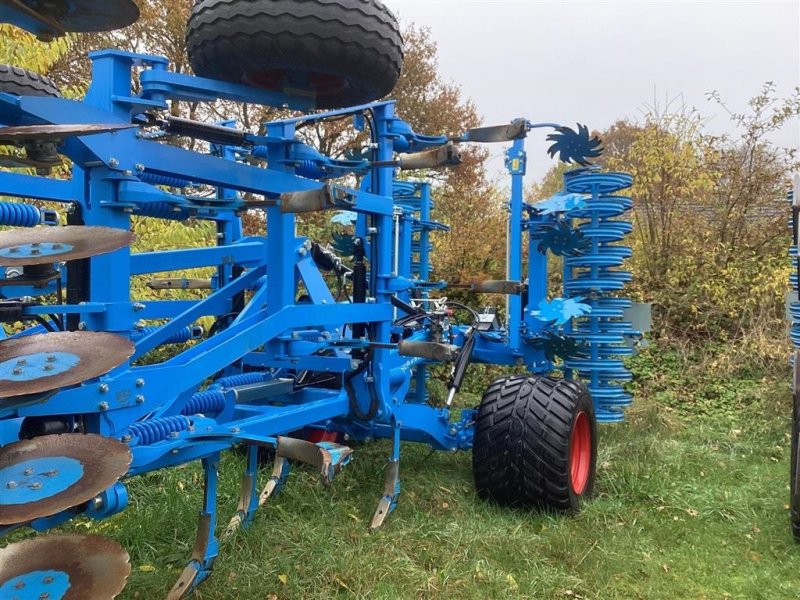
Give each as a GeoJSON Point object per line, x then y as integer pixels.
{"type": "Point", "coordinates": [596, 62]}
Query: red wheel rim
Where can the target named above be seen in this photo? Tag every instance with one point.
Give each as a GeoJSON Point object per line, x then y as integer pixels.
{"type": "Point", "coordinates": [580, 453]}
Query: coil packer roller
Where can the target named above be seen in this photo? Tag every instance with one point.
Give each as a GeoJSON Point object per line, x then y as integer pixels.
{"type": "Point", "coordinates": [271, 360]}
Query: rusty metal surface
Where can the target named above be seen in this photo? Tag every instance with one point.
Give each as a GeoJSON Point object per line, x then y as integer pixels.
{"type": "Point", "coordinates": [98, 353]}
{"type": "Point", "coordinates": [77, 241]}
{"type": "Point", "coordinates": [31, 133]}
{"type": "Point", "coordinates": [104, 461]}
{"type": "Point", "coordinates": [97, 567]}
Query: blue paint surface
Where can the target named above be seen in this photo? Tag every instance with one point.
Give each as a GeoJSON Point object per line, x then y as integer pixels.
{"type": "Point", "coordinates": [35, 584]}
{"type": "Point", "coordinates": [37, 479]}
{"type": "Point", "coordinates": [40, 249]}
{"type": "Point", "coordinates": [36, 366]}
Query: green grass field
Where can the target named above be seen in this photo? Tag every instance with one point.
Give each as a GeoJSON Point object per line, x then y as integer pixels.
{"type": "Point", "coordinates": [690, 503]}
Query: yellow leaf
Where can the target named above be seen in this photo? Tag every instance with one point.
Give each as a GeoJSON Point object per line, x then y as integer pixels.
{"type": "Point", "coordinates": [147, 568]}
{"type": "Point", "coordinates": [283, 578]}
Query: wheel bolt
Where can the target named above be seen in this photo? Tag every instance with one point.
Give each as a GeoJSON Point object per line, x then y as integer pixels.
{"type": "Point", "coordinates": [28, 472]}
{"type": "Point", "coordinates": [11, 485]}
{"type": "Point", "coordinates": [35, 485]}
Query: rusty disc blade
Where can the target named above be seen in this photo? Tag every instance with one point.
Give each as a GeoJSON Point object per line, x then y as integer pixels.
{"type": "Point", "coordinates": [48, 361]}
{"type": "Point", "coordinates": [69, 567]}
{"type": "Point", "coordinates": [50, 473]}
{"type": "Point", "coordinates": [38, 133]}
{"type": "Point", "coordinates": [87, 15]}
{"type": "Point", "coordinates": [42, 245]}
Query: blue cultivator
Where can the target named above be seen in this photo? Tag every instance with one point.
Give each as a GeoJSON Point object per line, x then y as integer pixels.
{"type": "Point", "coordinates": [288, 364]}
{"type": "Point", "coordinates": [794, 333]}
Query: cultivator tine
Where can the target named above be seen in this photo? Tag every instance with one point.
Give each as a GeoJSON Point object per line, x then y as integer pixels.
{"type": "Point", "coordinates": [388, 501]}
{"type": "Point", "coordinates": [40, 133]}
{"type": "Point", "coordinates": [48, 361]}
{"type": "Point", "coordinates": [48, 474]}
{"type": "Point", "coordinates": [498, 133]}
{"type": "Point", "coordinates": [444, 156]}
{"type": "Point", "coordinates": [88, 567]}
{"type": "Point", "coordinates": [44, 245]}
{"type": "Point", "coordinates": [248, 495]}
{"type": "Point", "coordinates": [327, 457]}
{"type": "Point", "coordinates": [206, 545]}
{"type": "Point", "coordinates": [280, 471]}
{"type": "Point", "coordinates": [391, 486]}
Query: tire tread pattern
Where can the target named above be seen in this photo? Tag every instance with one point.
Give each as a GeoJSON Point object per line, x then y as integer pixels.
{"type": "Point", "coordinates": [21, 82]}
{"type": "Point", "coordinates": [522, 442]}
{"type": "Point", "coordinates": [358, 40]}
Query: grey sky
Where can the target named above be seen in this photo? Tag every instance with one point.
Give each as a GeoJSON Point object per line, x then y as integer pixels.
{"type": "Point", "coordinates": [595, 62]}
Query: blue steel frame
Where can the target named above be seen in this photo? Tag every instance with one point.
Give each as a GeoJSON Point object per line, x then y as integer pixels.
{"type": "Point", "coordinates": [168, 419]}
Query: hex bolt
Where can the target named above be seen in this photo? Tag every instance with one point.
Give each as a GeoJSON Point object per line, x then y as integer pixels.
{"type": "Point", "coordinates": [139, 167]}
{"type": "Point", "coordinates": [174, 451]}
{"type": "Point", "coordinates": [51, 358]}
{"type": "Point", "coordinates": [36, 244]}
{"type": "Point", "coordinates": [17, 371]}
{"type": "Point", "coordinates": [22, 361]}
{"type": "Point", "coordinates": [44, 596]}
{"type": "Point", "coordinates": [113, 163]}
{"type": "Point", "coordinates": [56, 246]}
{"type": "Point", "coordinates": [11, 485]}
{"type": "Point", "coordinates": [47, 580]}
{"type": "Point", "coordinates": [50, 473]}
{"type": "Point", "coordinates": [103, 406]}
{"type": "Point", "coordinates": [35, 485]}
{"type": "Point", "coordinates": [139, 382]}
{"type": "Point", "coordinates": [35, 251]}
{"type": "Point", "coordinates": [235, 430]}
{"type": "Point", "coordinates": [139, 399]}
{"type": "Point", "coordinates": [82, 326]}
{"type": "Point", "coordinates": [103, 388]}
{"type": "Point", "coordinates": [28, 472]}
{"type": "Point", "coordinates": [48, 368]}
{"type": "Point", "coordinates": [19, 585]}
{"type": "Point", "coordinates": [13, 250]}
{"type": "Point", "coordinates": [174, 434]}
{"type": "Point", "coordinates": [137, 306]}
{"type": "Point", "coordinates": [126, 438]}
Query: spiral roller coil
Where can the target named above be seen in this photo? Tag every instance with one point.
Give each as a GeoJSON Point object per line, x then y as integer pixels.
{"type": "Point", "coordinates": [596, 276]}
{"type": "Point", "coordinates": [794, 307]}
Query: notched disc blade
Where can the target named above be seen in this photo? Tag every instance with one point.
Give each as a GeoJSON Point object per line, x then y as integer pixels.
{"type": "Point", "coordinates": [43, 245]}
{"type": "Point", "coordinates": [48, 361]}
{"type": "Point", "coordinates": [47, 474]}
{"type": "Point", "coordinates": [38, 133]}
{"type": "Point", "coordinates": [69, 567]}
{"type": "Point", "coordinates": [85, 15]}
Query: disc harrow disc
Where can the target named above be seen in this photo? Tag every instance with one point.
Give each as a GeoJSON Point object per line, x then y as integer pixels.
{"type": "Point", "coordinates": [47, 361]}
{"type": "Point", "coordinates": [38, 133]}
{"type": "Point", "coordinates": [47, 474]}
{"type": "Point", "coordinates": [63, 567]}
{"type": "Point", "coordinates": [81, 15]}
{"type": "Point", "coordinates": [42, 245]}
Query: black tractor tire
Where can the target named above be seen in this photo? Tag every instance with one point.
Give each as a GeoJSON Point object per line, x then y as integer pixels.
{"type": "Point", "coordinates": [345, 51]}
{"type": "Point", "coordinates": [535, 443]}
{"type": "Point", "coordinates": [21, 82]}
{"type": "Point", "coordinates": [794, 475]}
